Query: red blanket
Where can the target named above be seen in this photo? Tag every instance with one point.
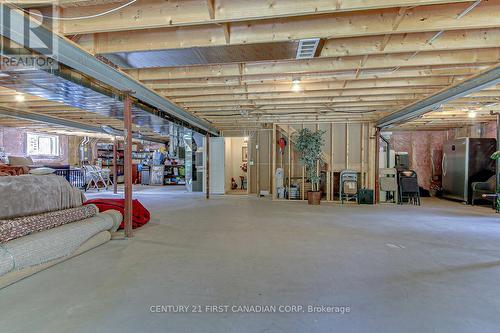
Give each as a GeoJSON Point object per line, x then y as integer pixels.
{"type": "Point", "coordinates": [140, 215]}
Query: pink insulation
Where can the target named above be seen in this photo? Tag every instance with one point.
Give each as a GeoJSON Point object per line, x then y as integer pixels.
{"type": "Point", "coordinates": [425, 152]}
{"type": "Point", "coordinates": [490, 130]}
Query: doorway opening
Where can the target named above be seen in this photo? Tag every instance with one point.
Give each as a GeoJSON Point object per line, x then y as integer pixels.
{"type": "Point", "coordinates": [236, 165]}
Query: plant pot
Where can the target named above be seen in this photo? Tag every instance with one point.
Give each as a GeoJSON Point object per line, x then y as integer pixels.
{"type": "Point", "coordinates": [314, 197]}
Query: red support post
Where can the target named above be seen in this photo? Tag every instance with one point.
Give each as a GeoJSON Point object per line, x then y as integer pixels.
{"type": "Point", "coordinates": [115, 172]}
{"type": "Point", "coordinates": [127, 115]}
{"type": "Point", "coordinates": [377, 166]}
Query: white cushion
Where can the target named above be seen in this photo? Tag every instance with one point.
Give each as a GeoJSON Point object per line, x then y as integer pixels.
{"type": "Point", "coordinates": [42, 171]}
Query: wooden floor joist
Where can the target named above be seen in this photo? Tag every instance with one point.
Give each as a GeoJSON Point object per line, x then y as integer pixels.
{"type": "Point", "coordinates": [375, 58]}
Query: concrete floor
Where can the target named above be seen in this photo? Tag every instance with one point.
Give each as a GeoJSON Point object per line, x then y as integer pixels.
{"type": "Point", "coordinates": [434, 268]}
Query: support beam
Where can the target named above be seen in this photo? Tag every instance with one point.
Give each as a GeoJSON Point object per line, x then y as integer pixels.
{"type": "Point", "coordinates": [207, 167]}
{"type": "Point", "coordinates": [354, 24]}
{"type": "Point", "coordinates": [147, 14]}
{"type": "Point", "coordinates": [115, 166]}
{"type": "Point", "coordinates": [227, 33]}
{"type": "Point", "coordinates": [211, 9]}
{"type": "Point", "coordinates": [476, 83]}
{"type": "Point", "coordinates": [280, 68]}
{"type": "Point", "coordinates": [429, 71]}
{"type": "Point", "coordinates": [412, 42]}
{"type": "Point", "coordinates": [311, 94]}
{"type": "Point", "coordinates": [127, 216]}
{"type": "Point", "coordinates": [273, 170]}
{"type": "Point", "coordinates": [257, 163]}
{"type": "Point", "coordinates": [377, 166]}
{"type": "Point", "coordinates": [439, 81]}
{"type": "Point", "coordinates": [362, 157]}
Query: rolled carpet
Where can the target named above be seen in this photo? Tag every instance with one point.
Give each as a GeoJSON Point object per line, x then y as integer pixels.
{"type": "Point", "coordinates": [26, 225]}
{"type": "Point", "coordinates": [44, 246]}
{"type": "Point", "coordinates": [140, 215]}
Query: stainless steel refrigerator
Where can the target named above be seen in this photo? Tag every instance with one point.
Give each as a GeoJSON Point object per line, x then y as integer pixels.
{"type": "Point", "coordinates": [466, 160]}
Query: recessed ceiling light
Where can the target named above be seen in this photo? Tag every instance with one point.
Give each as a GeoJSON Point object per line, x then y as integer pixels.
{"type": "Point", "coordinates": [296, 85]}
{"type": "Point", "coordinates": [19, 97]}
{"type": "Point", "coordinates": [472, 114]}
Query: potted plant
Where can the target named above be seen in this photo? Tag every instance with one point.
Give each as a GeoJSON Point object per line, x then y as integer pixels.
{"type": "Point", "coordinates": [308, 144]}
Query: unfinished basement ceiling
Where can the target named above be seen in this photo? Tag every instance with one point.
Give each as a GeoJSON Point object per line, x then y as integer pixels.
{"type": "Point", "coordinates": [472, 109]}
{"type": "Point", "coordinates": [41, 107]}
{"type": "Point", "coordinates": [55, 88]}
{"type": "Point", "coordinates": [233, 63]}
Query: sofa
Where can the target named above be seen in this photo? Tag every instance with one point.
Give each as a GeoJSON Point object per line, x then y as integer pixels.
{"type": "Point", "coordinates": [43, 222]}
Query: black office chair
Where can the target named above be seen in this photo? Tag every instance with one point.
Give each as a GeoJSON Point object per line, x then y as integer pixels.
{"type": "Point", "coordinates": [408, 187]}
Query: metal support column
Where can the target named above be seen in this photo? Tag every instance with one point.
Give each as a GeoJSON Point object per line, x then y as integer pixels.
{"type": "Point", "coordinates": [377, 158]}
{"type": "Point", "coordinates": [115, 172]}
{"type": "Point", "coordinates": [207, 169]}
{"type": "Point", "coordinates": [127, 104]}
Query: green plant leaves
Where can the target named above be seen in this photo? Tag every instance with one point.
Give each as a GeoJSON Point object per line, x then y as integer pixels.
{"type": "Point", "coordinates": [495, 155]}
{"type": "Point", "coordinates": [308, 144]}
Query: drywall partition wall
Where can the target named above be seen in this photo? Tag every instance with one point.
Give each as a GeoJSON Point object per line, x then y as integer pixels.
{"type": "Point", "coordinates": [216, 168]}
{"type": "Point", "coordinates": [228, 162]}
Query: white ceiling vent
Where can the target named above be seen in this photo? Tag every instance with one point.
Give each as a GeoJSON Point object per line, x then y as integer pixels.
{"type": "Point", "coordinates": [307, 48]}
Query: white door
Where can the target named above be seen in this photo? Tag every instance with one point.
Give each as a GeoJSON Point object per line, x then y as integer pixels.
{"type": "Point", "coordinates": [216, 166]}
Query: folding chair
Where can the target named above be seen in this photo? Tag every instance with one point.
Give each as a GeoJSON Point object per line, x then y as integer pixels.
{"type": "Point", "coordinates": [94, 176]}
{"type": "Point", "coordinates": [388, 182]}
{"type": "Point", "coordinates": [106, 177]}
{"type": "Point", "coordinates": [91, 177]}
{"type": "Point", "coordinates": [408, 187]}
{"type": "Point", "coordinates": [348, 185]}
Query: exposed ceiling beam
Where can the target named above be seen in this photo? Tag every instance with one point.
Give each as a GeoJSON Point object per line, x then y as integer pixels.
{"type": "Point", "coordinates": [210, 6]}
{"type": "Point", "coordinates": [319, 65]}
{"type": "Point", "coordinates": [403, 73]}
{"type": "Point", "coordinates": [313, 86]}
{"type": "Point", "coordinates": [412, 42]}
{"type": "Point", "coordinates": [353, 24]}
{"type": "Point", "coordinates": [476, 83]}
{"type": "Point", "coordinates": [310, 94]}
{"type": "Point", "coordinates": [147, 14]}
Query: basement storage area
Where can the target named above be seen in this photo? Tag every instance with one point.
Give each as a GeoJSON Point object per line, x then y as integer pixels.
{"type": "Point", "coordinates": [243, 166]}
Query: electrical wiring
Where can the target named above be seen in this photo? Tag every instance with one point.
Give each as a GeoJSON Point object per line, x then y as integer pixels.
{"type": "Point", "coordinates": [72, 18]}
